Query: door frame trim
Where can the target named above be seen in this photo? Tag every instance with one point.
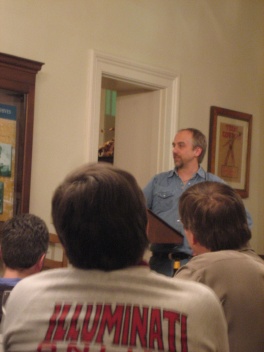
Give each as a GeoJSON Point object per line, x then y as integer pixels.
{"type": "Point", "coordinates": [167, 82]}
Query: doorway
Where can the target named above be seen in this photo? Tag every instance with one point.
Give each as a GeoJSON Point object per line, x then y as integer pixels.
{"type": "Point", "coordinates": [146, 114]}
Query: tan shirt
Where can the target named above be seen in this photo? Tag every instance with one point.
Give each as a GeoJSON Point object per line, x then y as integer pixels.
{"type": "Point", "coordinates": [237, 278]}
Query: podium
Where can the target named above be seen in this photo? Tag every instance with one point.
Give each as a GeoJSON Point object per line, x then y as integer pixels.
{"type": "Point", "coordinates": [159, 231]}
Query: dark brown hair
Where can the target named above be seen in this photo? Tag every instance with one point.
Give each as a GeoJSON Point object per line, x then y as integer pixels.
{"type": "Point", "coordinates": [24, 239]}
{"type": "Point", "coordinates": [100, 216]}
{"type": "Point", "coordinates": [216, 215]}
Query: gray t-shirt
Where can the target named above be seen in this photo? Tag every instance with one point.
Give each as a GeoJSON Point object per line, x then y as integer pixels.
{"type": "Point", "coordinates": [132, 309]}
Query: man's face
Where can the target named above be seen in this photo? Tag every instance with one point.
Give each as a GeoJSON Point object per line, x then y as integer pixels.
{"type": "Point", "coordinates": [183, 151]}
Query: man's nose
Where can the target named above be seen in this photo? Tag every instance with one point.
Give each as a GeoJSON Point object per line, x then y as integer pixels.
{"type": "Point", "coordinates": [174, 149]}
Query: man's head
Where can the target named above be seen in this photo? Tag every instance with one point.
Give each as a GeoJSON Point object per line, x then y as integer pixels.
{"type": "Point", "coordinates": [24, 241]}
{"type": "Point", "coordinates": [189, 144]}
{"type": "Point", "coordinates": [99, 213]}
{"type": "Point", "coordinates": [213, 215]}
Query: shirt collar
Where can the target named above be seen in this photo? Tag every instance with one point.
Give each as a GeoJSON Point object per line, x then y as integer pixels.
{"type": "Point", "coordinates": [200, 172]}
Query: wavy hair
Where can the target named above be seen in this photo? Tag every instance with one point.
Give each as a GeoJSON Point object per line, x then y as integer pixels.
{"type": "Point", "coordinates": [216, 215]}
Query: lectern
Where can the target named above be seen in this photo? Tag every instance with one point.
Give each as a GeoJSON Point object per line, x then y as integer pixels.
{"type": "Point", "coordinates": [160, 232]}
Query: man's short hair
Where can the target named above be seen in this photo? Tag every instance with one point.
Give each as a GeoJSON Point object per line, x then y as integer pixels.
{"type": "Point", "coordinates": [24, 239]}
{"type": "Point", "coordinates": [216, 215]}
{"type": "Point", "coordinates": [199, 140]}
{"type": "Point", "coordinates": [99, 213]}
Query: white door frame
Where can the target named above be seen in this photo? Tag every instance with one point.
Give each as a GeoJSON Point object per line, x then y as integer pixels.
{"type": "Point", "coordinates": [104, 65]}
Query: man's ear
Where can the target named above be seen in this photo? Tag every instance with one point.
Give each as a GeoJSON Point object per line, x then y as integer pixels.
{"type": "Point", "coordinates": [147, 229]}
{"type": "Point", "coordinates": [198, 151]}
{"type": "Point", "coordinates": [195, 245]}
{"type": "Point", "coordinates": [194, 239]}
{"type": "Point", "coordinates": [190, 237]}
{"type": "Point", "coordinates": [40, 262]}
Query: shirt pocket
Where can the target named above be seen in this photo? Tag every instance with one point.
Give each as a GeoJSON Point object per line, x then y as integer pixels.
{"type": "Point", "coordinates": [164, 200]}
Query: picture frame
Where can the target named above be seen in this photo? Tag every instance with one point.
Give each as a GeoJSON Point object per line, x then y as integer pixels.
{"type": "Point", "coordinates": [230, 147]}
{"type": "Point", "coordinates": [17, 94]}
{"type": "Point", "coordinates": [5, 158]}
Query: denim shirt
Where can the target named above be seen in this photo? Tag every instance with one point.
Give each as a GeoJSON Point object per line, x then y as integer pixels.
{"type": "Point", "coordinates": [163, 193]}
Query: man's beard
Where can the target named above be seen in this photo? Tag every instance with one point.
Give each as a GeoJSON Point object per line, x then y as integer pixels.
{"type": "Point", "coordinates": [178, 163]}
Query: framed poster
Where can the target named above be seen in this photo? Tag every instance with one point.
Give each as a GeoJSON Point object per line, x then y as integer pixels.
{"type": "Point", "coordinates": [5, 158]}
{"type": "Point", "coordinates": [8, 134]}
{"type": "Point", "coordinates": [229, 147]}
{"type": "Point", "coordinates": [17, 91]}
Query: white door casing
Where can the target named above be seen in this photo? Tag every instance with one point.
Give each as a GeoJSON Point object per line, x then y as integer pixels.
{"type": "Point", "coordinates": [164, 82]}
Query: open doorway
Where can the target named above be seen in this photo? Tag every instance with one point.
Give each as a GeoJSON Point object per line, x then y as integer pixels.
{"type": "Point", "coordinates": [111, 93]}
{"type": "Point", "coordinates": [146, 114]}
{"type": "Point", "coordinates": [128, 127]}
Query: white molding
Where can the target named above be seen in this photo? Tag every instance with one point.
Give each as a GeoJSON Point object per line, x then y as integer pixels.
{"type": "Point", "coordinates": [104, 65]}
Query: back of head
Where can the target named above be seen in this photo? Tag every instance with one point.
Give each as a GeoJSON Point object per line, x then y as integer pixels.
{"type": "Point", "coordinates": [24, 239]}
{"type": "Point", "coordinates": [100, 216]}
{"type": "Point", "coordinates": [216, 215]}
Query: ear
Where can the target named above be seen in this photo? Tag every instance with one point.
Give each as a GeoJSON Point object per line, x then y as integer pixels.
{"type": "Point", "coordinates": [40, 262]}
{"type": "Point", "coordinates": [195, 245]}
{"type": "Point", "coordinates": [147, 227]}
{"type": "Point", "coordinates": [192, 238]}
{"type": "Point", "coordinates": [198, 151]}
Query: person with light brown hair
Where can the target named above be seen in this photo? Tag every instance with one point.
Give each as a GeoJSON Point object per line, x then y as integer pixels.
{"type": "Point", "coordinates": [215, 223]}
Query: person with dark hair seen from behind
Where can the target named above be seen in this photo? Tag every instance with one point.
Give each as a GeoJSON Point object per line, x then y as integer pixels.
{"type": "Point", "coordinates": [108, 300]}
{"type": "Point", "coordinates": [23, 245]}
{"type": "Point", "coordinates": [164, 190]}
{"type": "Point", "coordinates": [215, 223]}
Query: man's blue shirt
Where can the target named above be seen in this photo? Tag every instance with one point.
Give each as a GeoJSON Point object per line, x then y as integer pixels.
{"type": "Point", "coordinates": [163, 193]}
{"type": "Point", "coordinates": [9, 281]}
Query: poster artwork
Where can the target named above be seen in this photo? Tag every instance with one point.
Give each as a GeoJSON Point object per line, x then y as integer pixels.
{"type": "Point", "coordinates": [230, 152]}
{"type": "Point", "coordinates": [8, 114]}
{"type": "Point", "coordinates": [229, 147]}
{"type": "Point", "coordinates": [5, 159]}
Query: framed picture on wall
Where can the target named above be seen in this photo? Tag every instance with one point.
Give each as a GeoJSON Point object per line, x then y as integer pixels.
{"type": "Point", "coordinates": [229, 147]}
{"type": "Point", "coordinates": [17, 92]}
{"type": "Point", "coordinates": [5, 159]}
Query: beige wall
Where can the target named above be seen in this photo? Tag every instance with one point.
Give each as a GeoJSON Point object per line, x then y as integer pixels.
{"type": "Point", "coordinates": [217, 48]}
